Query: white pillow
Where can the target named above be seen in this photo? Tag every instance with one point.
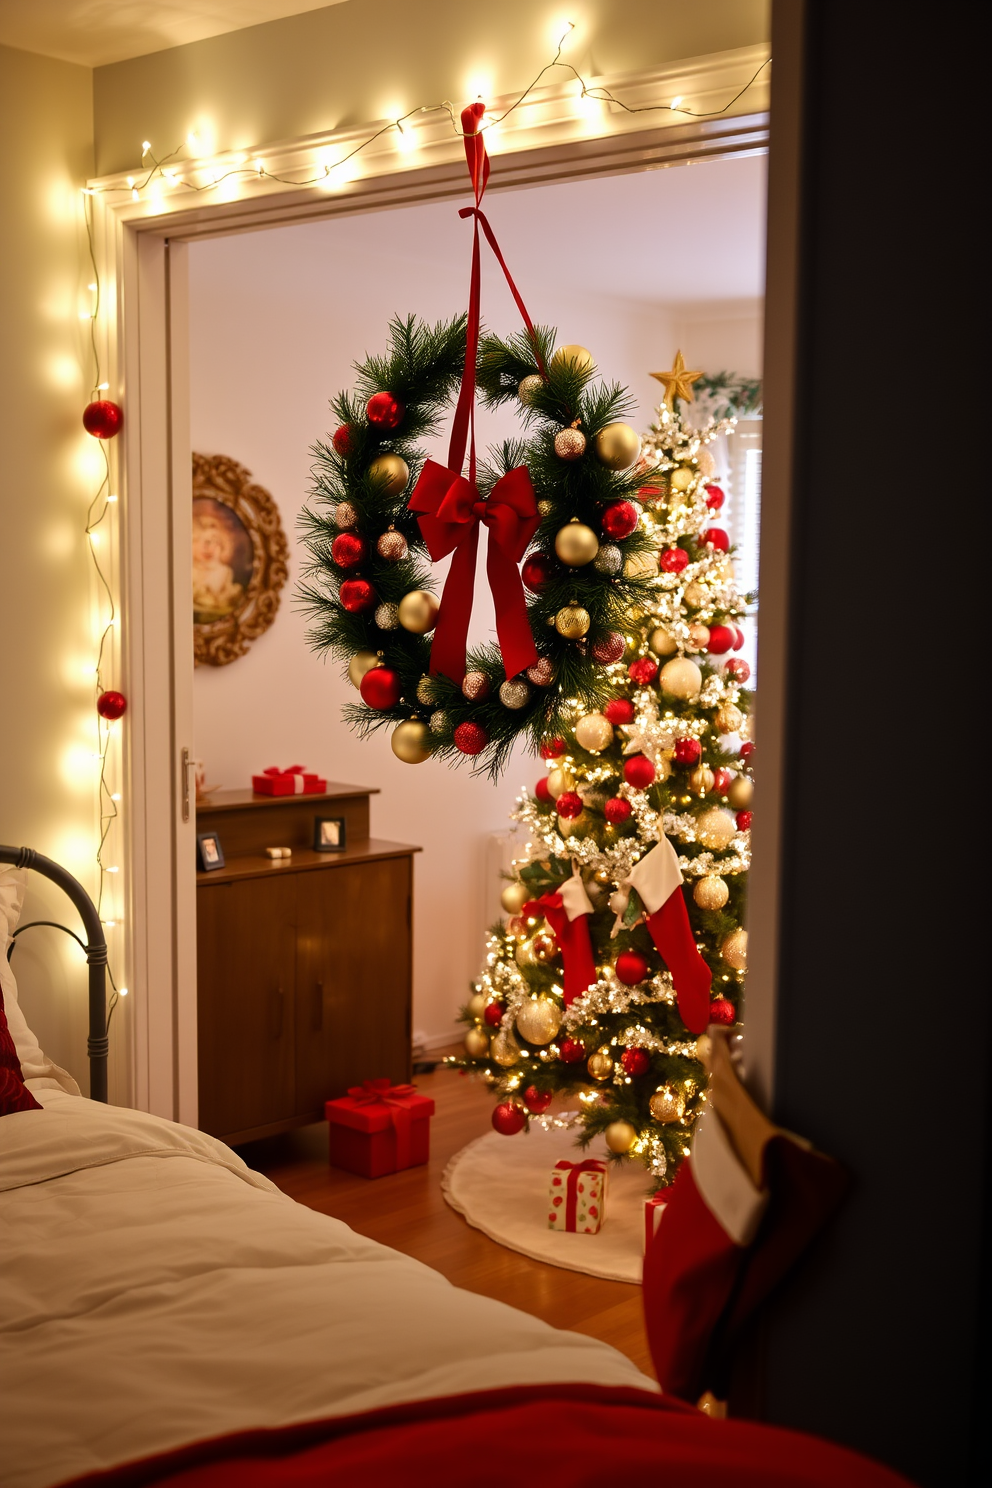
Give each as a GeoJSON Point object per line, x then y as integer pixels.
{"type": "Point", "coordinates": [35, 1064]}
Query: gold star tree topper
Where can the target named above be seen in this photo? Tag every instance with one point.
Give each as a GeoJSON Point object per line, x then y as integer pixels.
{"type": "Point", "coordinates": [678, 382]}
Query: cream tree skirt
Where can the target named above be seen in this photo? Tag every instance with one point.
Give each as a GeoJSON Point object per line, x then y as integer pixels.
{"type": "Point", "coordinates": [500, 1184]}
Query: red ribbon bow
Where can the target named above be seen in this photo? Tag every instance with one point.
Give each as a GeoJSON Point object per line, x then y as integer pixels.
{"type": "Point", "coordinates": [290, 770]}
{"type": "Point", "coordinates": [383, 1092]}
{"type": "Point", "coordinates": [449, 505]}
{"type": "Point", "coordinates": [591, 1165]}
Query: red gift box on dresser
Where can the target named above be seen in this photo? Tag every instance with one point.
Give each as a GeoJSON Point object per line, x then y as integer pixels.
{"type": "Point", "coordinates": [294, 781]}
{"type": "Point", "coordinates": [379, 1128]}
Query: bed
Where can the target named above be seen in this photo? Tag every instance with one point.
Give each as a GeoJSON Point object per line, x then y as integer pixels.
{"type": "Point", "coordinates": [169, 1316]}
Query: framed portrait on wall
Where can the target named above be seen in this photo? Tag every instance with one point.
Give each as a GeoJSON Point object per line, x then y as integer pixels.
{"type": "Point", "coordinates": [240, 560]}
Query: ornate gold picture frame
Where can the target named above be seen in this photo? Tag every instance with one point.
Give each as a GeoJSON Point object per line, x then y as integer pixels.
{"type": "Point", "coordinates": [240, 560]}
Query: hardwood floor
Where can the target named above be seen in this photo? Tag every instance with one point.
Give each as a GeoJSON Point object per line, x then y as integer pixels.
{"type": "Point", "coordinates": [407, 1211]}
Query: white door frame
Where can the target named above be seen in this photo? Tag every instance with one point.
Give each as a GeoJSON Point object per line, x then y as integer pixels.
{"type": "Point", "coordinates": [142, 260]}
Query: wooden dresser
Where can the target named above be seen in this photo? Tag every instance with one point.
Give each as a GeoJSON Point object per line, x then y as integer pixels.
{"type": "Point", "coordinates": [303, 963]}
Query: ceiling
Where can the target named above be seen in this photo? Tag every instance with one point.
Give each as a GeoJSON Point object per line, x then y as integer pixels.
{"type": "Point", "coordinates": [96, 32]}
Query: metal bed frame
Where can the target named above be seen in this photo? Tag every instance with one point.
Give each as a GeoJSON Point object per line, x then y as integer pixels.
{"type": "Point", "coordinates": [95, 946]}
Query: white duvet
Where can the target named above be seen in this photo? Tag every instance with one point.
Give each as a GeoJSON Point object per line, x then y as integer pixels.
{"type": "Point", "coordinates": [154, 1290]}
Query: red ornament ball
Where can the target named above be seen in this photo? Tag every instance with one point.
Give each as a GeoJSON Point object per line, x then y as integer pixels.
{"type": "Point", "coordinates": [569, 805]}
{"type": "Point", "coordinates": [619, 519]}
{"type": "Point", "coordinates": [714, 497]}
{"type": "Point", "coordinates": [493, 1014]}
{"type": "Point", "coordinates": [722, 1011]}
{"type": "Point", "coordinates": [631, 968]}
{"type": "Point", "coordinates": [608, 648]}
{"type": "Point", "coordinates": [643, 671]}
{"type": "Point", "coordinates": [737, 668]}
{"type": "Point", "coordinates": [619, 710]}
{"type": "Point", "coordinates": [570, 1051]}
{"type": "Point", "coordinates": [103, 419]}
{"type": "Point", "coordinates": [537, 1101]}
{"type": "Point", "coordinates": [538, 570]}
{"type": "Point", "coordinates": [552, 748]}
{"type": "Point", "coordinates": [471, 738]}
{"type": "Point", "coordinates": [721, 779]}
{"type": "Point", "coordinates": [343, 440]}
{"type": "Point", "coordinates": [348, 549]}
{"type": "Point", "coordinates": [384, 411]}
{"type": "Point", "coordinates": [744, 820]}
{"type": "Point", "coordinates": [542, 790]}
{"type": "Point", "coordinates": [738, 638]}
{"type": "Point", "coordinates": [381, 688]}
{"type": "Point", "coordinates": [639, 772]}
{"type": "Point", "coordinates": [111, 705]}
{"type": "Point", "coordinates": [509, 1118]}
{"type": "Point", "coordinates": [687, 751]}
{"type": "Point", "coordinates": [673, 560]}
{"type": "Point", "coordinates": [715, 537]}
{"type": "Point", "coordinates": [747, 749]}
{"type": "Point", "coordinates": [617, 811]}
{"type": "Point", "coordinates": [357, 596]}
{"type": "Point", "coordinates": [636, 1061]}
{"type": "Point", "coordinates": [721, 639]}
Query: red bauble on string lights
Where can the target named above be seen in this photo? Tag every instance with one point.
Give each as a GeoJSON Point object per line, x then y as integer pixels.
{"type": "Point", "coordinates": [643, 671]}
{"type": "Point", "coordinates": [509, 1118]}
{"type": "Point", "coordinates": [542, 790]}
{"type": "Point", "coordinates": [343, 440]}
{"type": "Point", "coordinates": [714, 498]}
{"type": "Point", "coordinates": [381, 688]}
{"type": "Point", "coordinates": [111, 705]}
{"type": "Point", "coordinates": [539, 569]}
{"type": "Point", "coordinates": [687, 751]}
{"type": "Point", "coordinates": [636, 1061]}
{"type": "Point", "coordinates": [639, 772]}
{"type": "Point", "coordinates": [617, 811]}
{"type": "Point", "coordinates": [631, 968]}
{"type": "Point", "coordinates": [722, 1011]}
{"type": "Point", "coordinates": [552, 748]}
{"type": "Point", "coordinates": [569, 805]}
{"type": "Point", "coordinates": [722, 638]}
{"type": "Point", "coordinates": [385, 411]}
{"type": "Point", "coordinates": [716, 538]}
{"type": "Point", "coordinates": [673, 560]}
{"type": "Point", "coordinates": [571, 1051]}
{"type": "Point", "coordinates": [103, 419]}
{"type": "Point", "coordinates": [493, 1014]}
{"type": "Point", "coordinates": [737, 668]}
{"type": "Point", "coordinates": [744, 820]}
{"type": "Point", "coordinates": [619, 711]}
{"type": "Point", "coordinates": [348, 549]}
{"type": "Point", "coordinates": [357, 596]}
{"type": "Point", "coordinates": [537, 1101]}
{"type": "Point", "coordinates": [619, 519]}
{"type": "Point", "coordinates": [471, 738]}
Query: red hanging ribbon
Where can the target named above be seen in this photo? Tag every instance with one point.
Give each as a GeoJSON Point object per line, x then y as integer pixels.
{"type": "Point", "coordinates": [383, 1092]}
{"type": "Point", "coordinates": [577, 960]}
{"type": "Point", "coordinates": [449, 506]}
{"type": "Point", "coordinates": [591, 1165]}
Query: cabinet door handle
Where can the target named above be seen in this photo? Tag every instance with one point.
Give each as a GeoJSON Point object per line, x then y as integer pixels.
{"type": "Point", "coordinates": [318, 1007]}
{"type": "Point", "coordinates": [278, 1002]}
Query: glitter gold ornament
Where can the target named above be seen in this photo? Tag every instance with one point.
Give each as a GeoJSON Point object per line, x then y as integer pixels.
{"type": "Point", "coordinates": [620, 1136]}
{"type": "Point", "coordinates": [392, 546]}
{"type": "Point", "coordinates": [538, 1020]}
{"type": "Point", "coordinates": [504, 1048]}
{"type": "Point", "coordinates": [475, 686]}
{"type": "Point", "coordinates": [694, 595]}
{"type": "Point", "coordinates": [600, 1065]}
{"type": "Point", "coordinates": [387, 616]}
{"type": "Point", "coordinates": [728, 718]}
{"type": "Point", "coordinates": [393, 471]}
{"type": "Point", "coordinates": [734, 950]}
{"type": "Point", "coordinates": [716, 828]}
{"type": "Point", "coordinates": [528, 386]}
{"type": "Point", "coordinates": [524, 954]}
{"type": "Point", "coordinates": [701, 780]}
{"type": "Point", "coordinates": [573, 826]}
{"type": "Point", "coordinates": [411, 742]}
{"type": "Point", "coordinates": [345, 516]}
{"type": "Point", "coordinates": [678, 382]}
{"type": "Point", "coordinates": [427, 689]}
{"type": "Point", "coordinates": [576, 544]}
{"type": "Point", "coordinates": [476, 1043]}
{"type": "Point", "coordinates": [680, 678]}
{"type": "Point", "coordinates": [572, 622]}
{"type": "Point", "coordinates": [617, 446]}
{"type": "Point", "coordinates": [360, 663]}
{"type": "Point", "coordinates": [418, 611]}
{"type": "Point", "coordinates": [570, 444]}
{"type": "Point", "coordinates": [682, 477]}
{"type": "Point", "coordinates": [699, 636]}
{"type": "Point", "coordinates": [667, 1105]}
{"type": "Point", "coordinates": [545, 507]}
{"type": "Point", "coordinates": [477, 1005]}
{"type": "Point", "coordinates": [741, 792]}
{"type": "Point", "coordinates": [711, 892]}
{"type": "Point", "coordinates": [559, 781]}
{"type": "Point", "coordinates": [438, 721]}
{"type": "Point", "coordinates": [662, 642]}
{"type": "Point", "coordinates": [580, 359]}
{"type": "Point", "coordinates": [594, 732]}
{"type": "Point", "coordinates": [514, 693]}
{"type": "Point", "coordinates": [609, 559]}
{"type": "Point", "coordinates": [514, 897]}
{"type": "Point", "coordinates": [542, 673]}
{"type": "Point", "coordinates": [641, 566]}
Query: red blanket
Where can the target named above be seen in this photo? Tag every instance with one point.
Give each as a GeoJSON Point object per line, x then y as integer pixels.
{"type": "Point", "coordinates": [574, 1435]}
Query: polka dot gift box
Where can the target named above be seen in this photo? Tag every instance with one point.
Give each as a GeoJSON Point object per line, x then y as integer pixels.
{"type": "Point", "coordinates": [577, 1197]}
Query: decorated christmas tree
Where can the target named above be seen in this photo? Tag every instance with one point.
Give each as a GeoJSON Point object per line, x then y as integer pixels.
{"type": "Point", "coordinates": [624, 937]}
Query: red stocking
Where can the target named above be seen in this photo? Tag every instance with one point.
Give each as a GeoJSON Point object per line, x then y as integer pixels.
{"type": "Point", "coordinates": [573, 937]}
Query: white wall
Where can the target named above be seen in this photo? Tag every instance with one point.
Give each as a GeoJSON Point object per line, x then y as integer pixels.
{"type": "Point", "coordinates": [277, 319]}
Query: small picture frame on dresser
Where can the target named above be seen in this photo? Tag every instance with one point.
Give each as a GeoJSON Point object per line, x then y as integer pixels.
{"type": "Point", "coordinates": [329, 834]}
{"type": "Point", "coordinates": [209, 853]}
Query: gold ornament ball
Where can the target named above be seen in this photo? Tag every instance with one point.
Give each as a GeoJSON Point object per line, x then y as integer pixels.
{"type": "Point", "coordinates": [514, 897]}
{"type": "Point", "coordinates": [680, 678]}
{"type": "Point", "coordinates": [600, 1065]}
{"type": "Point", "coordinates": [682, 477]}
{"type": "Point", "coordinates": [539, 1020]}
{"type": "Point", "coordinates": [392, 546]}
{"type": "Point", "coordinates": [716, 828]}
{"type": "Point", "coordinates": [514, 693]}
{"type": "Point", "coordinates": [476, 1043]}
{"type": "Point", "coordinates": [545, 507]}
{"type": "Point", "coordinates": [570, 444]}
{"type": "Point", "coordinates": [524, 954]}
{"type": "Point", "coordinates": [695, 596]}
{"type": "Point", "coordinates": [711, 892]}
{"type": "Point", "coordinates": [411, 742]}
{"type": "Point", "coordinates": [560, 781]}
{"type": "Point", "coordinates": [504, 1048]}
{"type": "Point", "coordinates": [741, 792]}
{"type": "Point", "coordinates": [393, 471]}
{"type": "Point", "coordinates": [609, 559]}
{"type": "Point", "coordinates": [617, 446]}
{"type": "Point", "coordinates": [667, 1105]}
{"type": "Point", "coordinates": [427, 690]}
{"type": "Point", "coordinates": [728, 718]}
{"type": "Point", "coordinates": [477, 1005]}
{"type": "Point", "coordinates": [387, 616]}
{"type": "Point", "coordinates": [573, 826]}
{"type": "Point", "coordinates": [701, 780]}
{"type": "Point", "coordinates": [545, 946]}
{"type": "Point", "coordinates": [580, 359]}
{"type": "Point", "coordinates": [699, 636]}
{"type": "Point", "coordinates": [706, 462]}
{"type": "Point", "coordinates": [594, 732]}
{"type": "Point", "coordinates": [345, 516]}
{"type": "Point", "coordinates": [620, 1136]}
{"type": "Point", "coordinates": [418, 611]}
{"type": "Point", "coordinates": [528, 386]}
{"type": "Point", "coordinates": [734, 950]}
{"type": "Point", "coordinates": [576, 544]}
{"type": "Point", "coordinates": [438, 721]}
{"type": "Point", "coordinates": [641, 566]}
{"type": "Point", "coordinates": [360, 663]}
{"type": "Point", "coordinates": [662, 642]}
{"type": "Point", "coordinates": [572, 622]}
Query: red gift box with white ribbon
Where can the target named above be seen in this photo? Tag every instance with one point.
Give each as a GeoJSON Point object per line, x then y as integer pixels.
{"type": "Point", "coordinates": [379, 1128]}
{"type": "Point", "coordinates": [654, 1209]}
{"type": "Point", "coordinates": [577, 1197]}
{"type": "Point", "coordinates": [294, 781]}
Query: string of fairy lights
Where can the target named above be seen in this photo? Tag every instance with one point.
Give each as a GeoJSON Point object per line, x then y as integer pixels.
{"type": "Point", "coordinates": [103, 418]}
